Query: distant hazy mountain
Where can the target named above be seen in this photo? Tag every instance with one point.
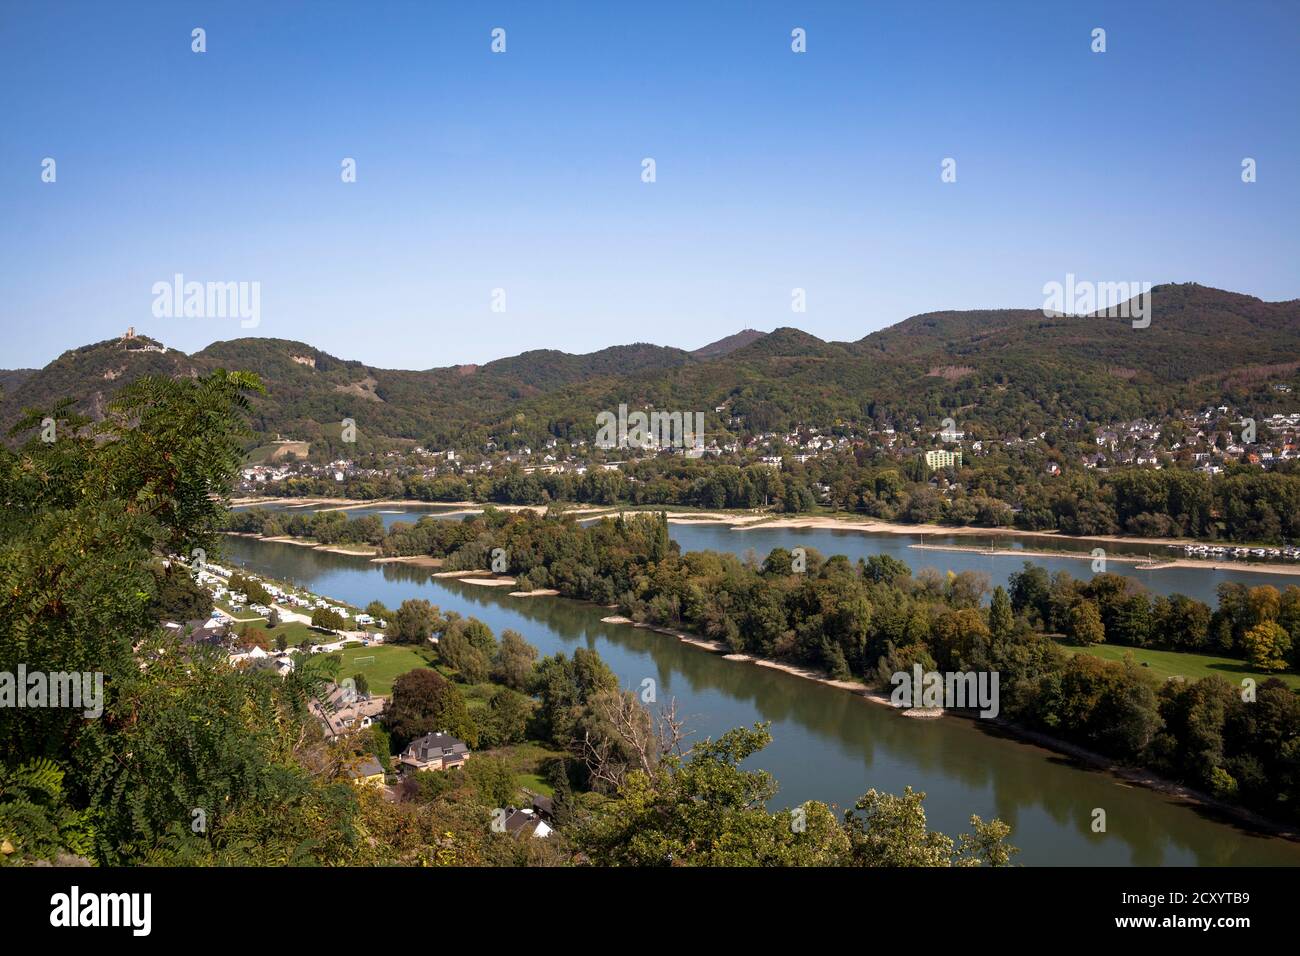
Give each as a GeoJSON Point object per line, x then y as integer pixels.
{"type": "Point", "coordinates": [1007, 370]}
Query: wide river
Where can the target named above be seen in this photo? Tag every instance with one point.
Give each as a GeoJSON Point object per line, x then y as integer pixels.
{"type": "Point", "coordinates": [829, 744]}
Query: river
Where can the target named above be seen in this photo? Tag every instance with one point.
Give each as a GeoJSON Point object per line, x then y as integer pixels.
{"type": "Point", "coordinates": [919, 551]}
{"type": "Point", "coordinates": [828, 744]}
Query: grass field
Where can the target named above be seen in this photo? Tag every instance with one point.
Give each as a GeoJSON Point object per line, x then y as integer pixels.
{"type": "Point", "coordinates": [1165, 664]}
{"type": "Point", "coordinates": [526, 761]}
{"type": "Point", "coordinates": [390, 662]}
{"type": "Point", "coordinates": [294, 632]}
{"type": "Point", "coordinates": [273, 451]}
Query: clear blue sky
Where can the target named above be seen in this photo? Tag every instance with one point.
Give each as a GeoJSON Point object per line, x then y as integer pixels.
{"type": "Point", "coordinates": [523, 170]}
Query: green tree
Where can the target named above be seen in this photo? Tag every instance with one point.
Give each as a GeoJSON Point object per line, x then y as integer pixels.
{"type": "Point", "coordinates": [328, 619]}
{"type": "Point", "coordinates": [415, 621]}
{"type": "Point", "coordinates": [1268, 646]}
{"type": "Point", "coordinates": [426, 702]}
{"type": "Point", "coordinates": [493, 780]}
{"type": "Point", "coordinates": [514, 661]}
{"type": "Point", "coordinates": [508, 713]}
{"type": "Point", "coordinates": [1083, 625]}
{"type": "Point", "coordinates": [1002, 619]}
{"type": "Point", "coordinates": [889, 830]}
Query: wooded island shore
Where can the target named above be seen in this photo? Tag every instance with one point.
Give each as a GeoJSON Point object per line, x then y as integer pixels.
{"type": "Point", "coordinates": [749, 521]}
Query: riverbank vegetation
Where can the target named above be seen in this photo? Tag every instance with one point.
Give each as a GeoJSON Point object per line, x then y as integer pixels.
{"type": "Point", "coordinates": [1239, 741]}
{"type": "Point", "coordinates": [1242, 504]}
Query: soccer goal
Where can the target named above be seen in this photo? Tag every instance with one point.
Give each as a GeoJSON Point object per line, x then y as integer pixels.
{"type": "Point", "coordinates": [364, 661]}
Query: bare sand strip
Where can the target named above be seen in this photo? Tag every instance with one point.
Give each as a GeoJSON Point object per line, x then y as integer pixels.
{"type": "Point", "coordinates": [419, 560]}
{"type": "Point", "coordinates": [490, 582]}
{"type": "Point", "coordinates": [537, 592]}
{"type": "Point", "coordinates": [343, 504]}
{"type": "Point", "coordinates": [403, 503]}
{"type": "Point", "coordinates": [807, 673]}
{"type": "Point", "coordinates": [1146, 563]}
{"type": "Point", "coordinates": [749, 520]}
{"type": "Point", "coordinates": [461, 574]}
{"type": "Point", "coordinates": [876, 526]}
{"type": "Point", "coordinates": [317, 546]}
{"type": "Point", "coordinates": [308, 543]}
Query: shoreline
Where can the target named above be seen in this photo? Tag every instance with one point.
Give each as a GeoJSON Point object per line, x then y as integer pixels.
{"type": "Point", "coordinates": [345, 504]}
{"type": "Point", "coordinates": [306, 543]}
{"type": "Point", "coordinates": [1089, 759]}
{"type": "Point", "coordinates": [746, 523]}
{"type": "Point", "coordinates": [759, 520]}
{"type": "Point", "coordinates": [417, 560]}
{"type": "Point", "coordinates": [1160, 565]}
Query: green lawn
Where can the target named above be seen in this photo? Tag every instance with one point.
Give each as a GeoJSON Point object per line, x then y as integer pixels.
{"type": "Point", "coordinates": [273, 451]}
{"type": "Point", "coordinates": [1165, 664]}
{"type": "Point", "coordinates": [390, 662]}
{"type": "Point", "coordinates": [526, 761]}
{"type": "Point", "coordinates": [294, 632]}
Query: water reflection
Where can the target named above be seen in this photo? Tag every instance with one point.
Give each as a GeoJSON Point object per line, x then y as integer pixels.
{"type": "Point", "coordinates": [828, 744]}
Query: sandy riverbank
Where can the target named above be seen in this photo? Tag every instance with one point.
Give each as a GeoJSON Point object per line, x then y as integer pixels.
{"type": "Point", "coordinates": [317, 546]}
{"type": "Point", "coordinates": [807, 673]}
{"type": "Point", "coordinates": [405, 503]}
{"type": "Point", "coordinates": [307, 543]}
{"type": "Point", "coordinates": [1157, 565]}
{"type": "Point", "coordinates": [346, 504]}
{"type": "Point", "coordinates": [741, 520]}
{"type": "Point", "coordinates": [875, 526]}
{"type": "Point", "coordinates": [418, 560]}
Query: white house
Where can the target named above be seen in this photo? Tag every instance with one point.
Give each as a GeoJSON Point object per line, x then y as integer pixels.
{"type": "Point", "coordinates": [248, 655]}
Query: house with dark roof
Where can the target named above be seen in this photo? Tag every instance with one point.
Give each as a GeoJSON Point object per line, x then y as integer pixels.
{"type": "Point", "coordinates": [434, 752]}
{"type": "Point", "coordinates": [527, 822]}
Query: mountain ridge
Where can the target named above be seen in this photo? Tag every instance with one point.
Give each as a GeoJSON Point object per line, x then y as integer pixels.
{"type": "Point", "coordinates": [1008, 365]}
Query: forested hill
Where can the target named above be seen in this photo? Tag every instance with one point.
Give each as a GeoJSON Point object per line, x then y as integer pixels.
{"type": "Point", "coordinates": [1009, 372]}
